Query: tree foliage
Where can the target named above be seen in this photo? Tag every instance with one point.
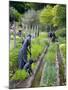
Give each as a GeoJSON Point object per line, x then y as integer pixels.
{"type": "Point", "coordinates": [30, 17]}
{"type": "Point", "coordinates": [21, 7]}
{"type": "Point", "coordinates": [14, 14]}
{"type": "Point", "coordinates": [52, 14]}
{"type": "Point", "coordinates": [59, 13]}
{"type": "Point", "coordinates": [46, 15]}
{"type": "Point", "coordinates": [55, 15]}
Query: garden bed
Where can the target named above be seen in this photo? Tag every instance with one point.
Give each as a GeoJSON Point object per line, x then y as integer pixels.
{"type": "Point", "coordinates": [38, 44]}
{"type": "Point", "coordinates": [49, 71]}
{"type": "Point", "coordinates": [28, 81]}
{"type": "Point", "coordinates": [62, 64]}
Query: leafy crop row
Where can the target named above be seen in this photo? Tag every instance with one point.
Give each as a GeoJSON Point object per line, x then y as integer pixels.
{"type": "Point", "coordinates": [49, 72]}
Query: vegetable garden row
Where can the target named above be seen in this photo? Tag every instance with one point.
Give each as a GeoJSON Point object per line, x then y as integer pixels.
{"type": "Point", "coordinates": [38, 44]}
{"type": "Point", "coordinates": [53, 70]}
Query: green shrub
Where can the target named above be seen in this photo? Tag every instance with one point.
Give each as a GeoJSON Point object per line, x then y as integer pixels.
{"type": "Point", "coordinates": [62, 40]}
{"type": "Point", "coordinates": [61, 32]}
{"type": "Point", "coordinates": [33, 65]}
{"type": "Point", "coordinates": [63, 51]}
{"type": "Point", "coordinates": [36, 50]}
{"type": "Point", "coordinates": [13, 59]}
{"type": "Point", "coordinates": [20, 75]}
{"type": "Point", "coordinates": [38, 44]}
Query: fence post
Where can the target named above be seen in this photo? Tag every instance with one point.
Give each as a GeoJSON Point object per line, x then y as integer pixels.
{"type": "Point", "coordinates": [14, 34]}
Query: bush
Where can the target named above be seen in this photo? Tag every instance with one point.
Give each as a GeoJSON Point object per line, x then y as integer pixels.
{"type": "Point", "coordinates": [13, 56]}
{"type": "Point", "coordinates": [63, 51]}
{"type": "Point", "coordinates": [14, 14]}
{"type": "Point", "coordinates": [62, 40]}
{"type": "Point", "coordinates": [61, 32]}
{"type": "Point", "coordinates": [13, 64]}
{"type": "Point", "coordinates": [20, 75]}
{"type": "Point", "coordinates": [41, 40]}
{"type": "Point", "coordinates": [62, 48]}
{"type": "Point", "coordinates": [36, 50]}
{"type": "Point", "coordinates": [38, 44]}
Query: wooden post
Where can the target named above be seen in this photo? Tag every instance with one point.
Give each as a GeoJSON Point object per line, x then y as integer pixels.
{"type": "Point", "coordinates": [25, 29]}
{"type": "Point", "coordinates": [35, 30]}
{"type": "Point", "coordinates": [29, 29]}
{"type": "Point", "coordinates": [14, 34]}
{"type": "Point", "coordinates": [32, 28]}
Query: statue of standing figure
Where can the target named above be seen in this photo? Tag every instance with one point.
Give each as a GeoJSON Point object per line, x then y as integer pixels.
{"type": "Point", "coordinates": [26, 47]}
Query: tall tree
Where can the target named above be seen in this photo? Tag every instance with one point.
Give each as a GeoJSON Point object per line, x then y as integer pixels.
{"type": "Point", "coordinates": [59, 13]}
{"type": "Point", "coordinates": [14, 14]}
{"type": "Point", "coordinates": [30, 17]}
{"type": "Point", "coordinates": [46, 15]}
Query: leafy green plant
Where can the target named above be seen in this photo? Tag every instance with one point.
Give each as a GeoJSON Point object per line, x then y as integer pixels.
{"type": "Point", "coordinates": [36, 50]}
{"type": "Point", "coordinates": [63, 51]}
{"type": "Point", "coordinates": [51, 55]}
{"type": "Point", "coordinates": [14, 14]}
{"type": "Point", "coordinates": [61, 40]}
{"type": "Point", "coordinates": [49, 75]}
{"type": "Point", "coordinates": [13, 56]}
{"type": "Point", "coordinates": [20, 75]}
{"type": "Point", "coordinates": [13, 59]}
{"type": "Point", "coordinates": [61, 32]}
